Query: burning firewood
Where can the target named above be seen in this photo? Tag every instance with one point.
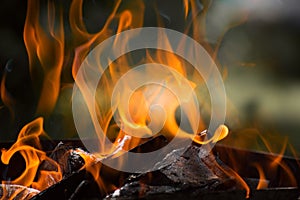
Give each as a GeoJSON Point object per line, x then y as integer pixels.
{"type": "Point", "coordinates": [67, 157]}
{"type": "Point", "coordinates": [191, 173]}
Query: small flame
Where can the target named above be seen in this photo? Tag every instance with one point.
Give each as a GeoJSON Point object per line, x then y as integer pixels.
{"type": "Point", "coordinates": [186, 7]}
{"type": "Point", "coordinates": [262, 178]}
{"type": "Point", "coordinates": [6, 98]}
{"type": "Point", "coordinates": [221, 133]}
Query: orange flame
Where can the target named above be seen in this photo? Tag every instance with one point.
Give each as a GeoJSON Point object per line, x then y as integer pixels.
{"type": "Point", "coordinates": [262, 178]}
{"type": "Point", "coordinates": [273, 165]}
{"type": "Point", "coordinates": [94, 167]}
{"type": "Point", "coordinates": [28, 145]}
{"type": "Point", "coordinates": [45, 47]}
{"type": "Point", "coordinates": [49, 56]}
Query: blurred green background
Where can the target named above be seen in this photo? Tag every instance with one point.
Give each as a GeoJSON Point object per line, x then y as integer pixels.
{"type": "Point", "coordinates": [261, 54]}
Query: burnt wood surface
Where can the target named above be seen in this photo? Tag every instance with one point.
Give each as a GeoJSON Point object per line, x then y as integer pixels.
{"type": "Point", "coordinates": [80, 184]}
{"type": "Point", "coordinates": [191, 172]}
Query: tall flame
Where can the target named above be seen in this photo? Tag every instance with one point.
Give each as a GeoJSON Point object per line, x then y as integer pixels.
{"type": "Point", "coordinates": [45, 47]}
{"type": "Point", "coordinates": [49, 53]}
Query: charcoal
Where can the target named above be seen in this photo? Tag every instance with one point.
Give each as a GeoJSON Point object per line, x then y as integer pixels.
{"type": "Point", "coordinates": [183, 174]}
{"type": "Point", "coordinates": [193, 172]}
{"type": "Point", "coordinates": [75, 162]}
{"type": "Point", "coordinates": [78, 185]}
{"type": "Point", "coordinates": [67, 158]}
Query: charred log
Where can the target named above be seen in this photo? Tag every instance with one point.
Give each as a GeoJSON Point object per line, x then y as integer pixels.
{"type": "Point", "coordinates": [191, 173]}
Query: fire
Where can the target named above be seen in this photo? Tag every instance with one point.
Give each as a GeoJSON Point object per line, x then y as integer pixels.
{"type": "Point", "coordinates": [28, 145]}
{"type": "Point", "coordinates": [48, 58]}
{"type": "Point", "coordinates": [273, 164]}
{"type": "Point", "coordinates": [93, 166]}
{"type": "Point", "coordinates": [45, 47]}
{"type": "Point", "coordinates": [54, 55]}
{"type": "Point", "coordinates": [262, 179]}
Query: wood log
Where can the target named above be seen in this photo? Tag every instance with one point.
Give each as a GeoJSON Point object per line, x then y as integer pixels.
{"type": "Point", "coordinates": [191, 172]}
